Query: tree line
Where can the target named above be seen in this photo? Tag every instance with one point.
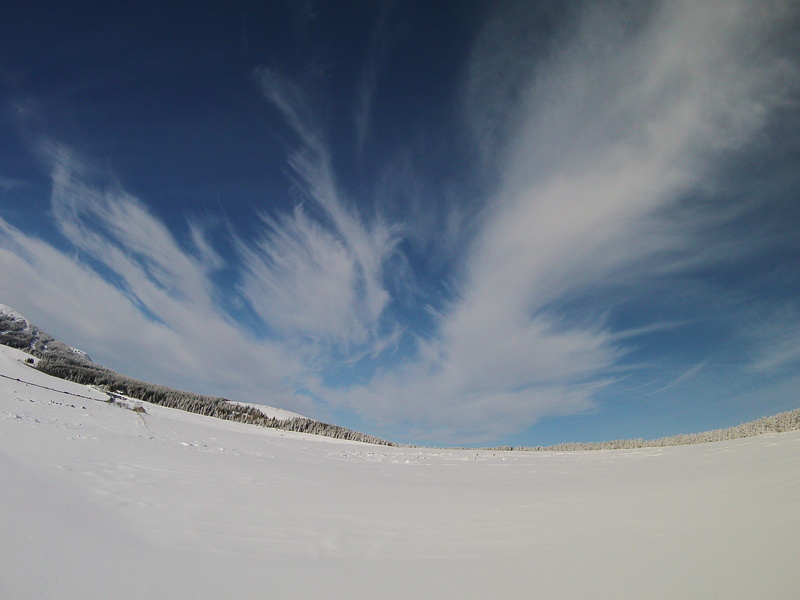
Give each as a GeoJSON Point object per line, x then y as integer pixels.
{"type": "Point", "coordinates": [782, 422]}
{"type": "Point", "coordinates": [73, 368]}
{"type": "Point", "coordinates": [63, 361]}
{"type": "Point", "coordinates": [60, 360]}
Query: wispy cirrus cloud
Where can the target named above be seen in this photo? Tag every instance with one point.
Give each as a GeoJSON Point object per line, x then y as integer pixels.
{"type": "Point", "coordinates": [117, 230]}
{"type": "Point", "coordinates": [8, 183]}
{"type": "Point", "coordinates": [314, 275]}
{"type": "Point", "coordinates": [608, 137]}
{"type": "Point", "coordinates": [303, 281]}
{"type": "Point", "coordinates": [130, 291]}
{"type": "Point", "coordinates": [598, 147]}
{"type": "Point", "coordinates": [774, 340]}
{"type": "Point", "coordinates": [380, 42]}
{"type": "Point", "coordinates": [319, 270]}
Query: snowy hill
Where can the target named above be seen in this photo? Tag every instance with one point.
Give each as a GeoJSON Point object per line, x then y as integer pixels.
{"type": "Point", "coordinates": [56, 358]}
{"type": "Point", "coordinates": [16, 331]}
{"type": "Point", "coordinates": [103, 502]}
{"type": "Point", "coordinates": [67, 362]}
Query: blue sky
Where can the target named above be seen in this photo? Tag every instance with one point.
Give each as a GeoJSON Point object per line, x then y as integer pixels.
{"type": "Point", "coordinates": [441, 223]}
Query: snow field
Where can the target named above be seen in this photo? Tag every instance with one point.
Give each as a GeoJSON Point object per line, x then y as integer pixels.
{"type": "Point", "coordinates": [99, 501]}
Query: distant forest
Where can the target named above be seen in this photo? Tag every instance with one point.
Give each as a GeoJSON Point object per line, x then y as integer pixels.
{"type": "Point", "coordinates": [74, 369]}
{"type": "Point", "coordinates": [115, 384]}
{"type": "Point", "coordinates": [65, 362]}
{"type": "Point", "coordinates": [787, 421]}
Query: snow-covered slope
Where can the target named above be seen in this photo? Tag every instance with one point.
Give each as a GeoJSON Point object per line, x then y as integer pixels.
{"type": "Point", "coordinates": [270, 411]}
{"type": "Point", "coordinates": [19, 332]}
{"type": "Point", "coordinates": [101, 502]}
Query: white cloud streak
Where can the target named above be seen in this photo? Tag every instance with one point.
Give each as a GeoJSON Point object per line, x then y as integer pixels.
{"type": "Point", "coordinates": [302, 279]}
{"type": "Point", "coordinates": [598, 149]}
{"type": "Point", "coordinates": [615, 128]}
{"type": "Point", "coordinates": [774, 340]}
{"type": "Point", "coordinates": [318, 277]}
{"type": "Point", "coordinates": [380, 41]}
{"type": "Point", "coordinates": [117, 230]}
{"type": "Point", "coordinates": [683, 377]}
{"type": "Point", "coordinates": [134, 296]}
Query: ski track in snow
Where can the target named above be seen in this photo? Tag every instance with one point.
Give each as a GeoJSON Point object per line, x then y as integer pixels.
{"type": "Point", "coordinates": [99, 502]}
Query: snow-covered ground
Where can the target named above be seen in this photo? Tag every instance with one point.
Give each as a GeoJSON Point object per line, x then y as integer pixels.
{"type": "Point", "coordinates": [97, 501]}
